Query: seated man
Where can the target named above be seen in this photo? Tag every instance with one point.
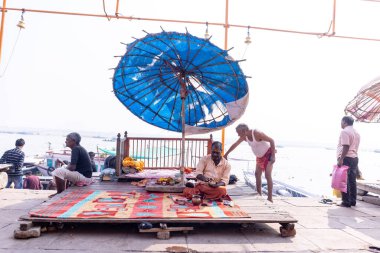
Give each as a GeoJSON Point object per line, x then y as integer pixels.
{"type": "Point", "coordinates": [213, 173]}
{"type": "Point", "coordinates": [32, 182]}
{"type": "Point", "coordinates": [79, 170]}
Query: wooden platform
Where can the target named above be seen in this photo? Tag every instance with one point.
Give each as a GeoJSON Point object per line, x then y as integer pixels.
{"type": "Point", "coordinates": [368, 186]}
{"type": "Point", "coordinates": [260, 210]}
{"type": "Point", "coordinates": [5, 166]}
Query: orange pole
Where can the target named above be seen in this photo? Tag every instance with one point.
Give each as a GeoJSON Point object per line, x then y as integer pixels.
{"type": "Point", "coordinates": [117, 8]}
{"type": "Point", "coordinates": [3, 9]}
{"type": "Point", "coordinates": [333, 19]}
{"type": "Point", "coordinates": [225, 47]}
{"type": "Point", "coordinates": [319, 34]}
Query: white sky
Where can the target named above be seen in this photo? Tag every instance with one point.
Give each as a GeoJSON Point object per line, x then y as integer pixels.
{"type": "Point", "coordinates": [59, 77]}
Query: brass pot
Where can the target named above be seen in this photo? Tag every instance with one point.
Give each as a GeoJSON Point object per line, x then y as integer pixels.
{"type": "Point", "coordinates": [196, 199]}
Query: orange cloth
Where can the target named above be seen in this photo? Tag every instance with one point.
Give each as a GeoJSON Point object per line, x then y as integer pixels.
{"type": "Point", "coordinates": [262, 162]}
{"type": "Point", "coordinates": [207, 191]}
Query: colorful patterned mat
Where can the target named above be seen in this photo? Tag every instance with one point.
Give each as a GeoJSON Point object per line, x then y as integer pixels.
{"type": "Point", "coordinates": [131, 205]}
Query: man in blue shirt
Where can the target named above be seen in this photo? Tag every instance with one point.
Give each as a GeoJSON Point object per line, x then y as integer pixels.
{"type": "Point", "coordinates": [16, 157]}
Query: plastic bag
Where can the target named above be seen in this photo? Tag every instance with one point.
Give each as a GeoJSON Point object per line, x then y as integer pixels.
{"type": "Point", "coordinates": [339, 178]}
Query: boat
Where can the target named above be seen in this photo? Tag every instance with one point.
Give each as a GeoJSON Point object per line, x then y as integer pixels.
{"type": "Point", "coordinates": [55, 159]}
{"type": "Point", "coordinates": [279, 188]}
{"type": "Point", "coordinates": [113, 139]}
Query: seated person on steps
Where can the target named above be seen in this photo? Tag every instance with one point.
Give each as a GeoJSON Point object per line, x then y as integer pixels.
{"type": "Point", "coordinates": [79, 170]}
{"type": "Point", "coordinates": [32, 182]}
{"type": "Point", "coordinates": [213, 173]}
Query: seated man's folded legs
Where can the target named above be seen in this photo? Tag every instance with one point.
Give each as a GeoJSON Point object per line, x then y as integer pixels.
{"type": "Point", "coordinates": [213, 193]}
{"type": "Point", "coordinates": [205, 190]}
{"type": "Point", "coordinates": [189, 192]}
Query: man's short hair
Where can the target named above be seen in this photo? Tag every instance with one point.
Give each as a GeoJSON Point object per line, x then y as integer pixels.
{"type": "Point", "coordinates": [91, 154]}
{"type": "Point", "coordinates": [20, 143]}
{"type": "Point", "coordinates": [28, 173]}
{"type": "Point", "coordinates": [217, 144]}
{"type": "Point", "coordinates": [75, 137]}
{"type": "Point", "coordinates": [348, 120]}
{"type": "Point", "coordinates": [242, 126]}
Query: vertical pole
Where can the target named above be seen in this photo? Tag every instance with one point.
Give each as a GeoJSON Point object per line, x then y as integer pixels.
{"type": "Point", "coordinates": [225, 47]}
{"type": "Point", "coordinates": [118, 155]}
{"type": "Point", "coordinates": [182, 169]}
{"type": "Point", "coordinates": [183, 93]}
{"type": "Point", "coordinates": [3, 9]}
{"type": "Point", "coordinates": [333, 19]}
{"type": "Point", "coordinates": [117, 8]}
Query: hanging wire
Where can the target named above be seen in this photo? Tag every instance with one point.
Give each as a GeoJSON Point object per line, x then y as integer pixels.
{"type": "Point", "coordinates": [247, 42]}
{"type": "Point", "coordinates": [327, 33]}
{"type": "Point", "coordinates": [105, 12]}
{"type": "Point", "coordinates": [248, 38]}
{"type": "Point", "coordinates": [11, 56]}
{"type": "Point", "coordinates": [207, 35]}
{"type": "Point", "coordinates": [21, 25]}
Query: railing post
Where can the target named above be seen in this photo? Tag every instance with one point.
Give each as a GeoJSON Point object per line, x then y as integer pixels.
{"type": "Point", "coordinates": [118, 154]}
{"type": "Point", "coordinates": [209, 145]}
{"type": "Point", "coordinates": [126, 144]}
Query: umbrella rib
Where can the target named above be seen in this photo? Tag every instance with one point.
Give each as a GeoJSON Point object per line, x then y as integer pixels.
{"type": "Point", "coordinates": [174, 48]}
{"type": "Point", "coordinates": [198, 52]}
{"type": "Point", "coordinates": [210, 87]}
{"type": "Point", "coordinates": [199, 102]}
{"type": "Point", "coordinates": [141, 71]}
{"type": "Point", "coordinates": [145, 108]}
{"type": "Point", "coordinates": [218, 83]}
{"type": "Point", "coordinates": [149, 55]}
{"type": "Point", "coordinates": [142, 80]}
{"type": "Point", "coordinates": [222, 84]}
{"type": "Point", "coordinates": [149, 87]}
{"type": "Point", "coordinates": [175, 100]}
{"type": "Point", "coordinates": [188, 49]}
{"type": "Point", "coordinates": [156, 113]}
{"type": "Point", "coordinates": [204, 64]}
{"type": "Point", "coordinates": [214, 102]}
{"type": "Point", "coordinates": [152, 111]}
{"type": "Point", "coordinates": [152, 54]}
{"type": "Point", "coordinates": [163, 42]}
{"type": "Point", "coordinates": [162, 81]}
{"type": "Point", "coordinates": [221, 99]}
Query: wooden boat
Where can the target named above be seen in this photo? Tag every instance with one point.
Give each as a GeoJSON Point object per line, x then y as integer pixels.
{"type": "Point", "coordinates": [54, 159]}
{"type": "Point", "coordinates": [279, 188]}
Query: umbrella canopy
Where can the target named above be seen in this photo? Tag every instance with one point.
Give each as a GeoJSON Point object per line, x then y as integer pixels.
{"type": "Point", "coordinates": [181, 83]}
{"type": "Point", "coordinates": [365, 107]}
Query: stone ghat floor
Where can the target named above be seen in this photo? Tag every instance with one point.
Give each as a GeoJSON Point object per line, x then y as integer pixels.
{"type": "Point", "coordinates": [320, 228]}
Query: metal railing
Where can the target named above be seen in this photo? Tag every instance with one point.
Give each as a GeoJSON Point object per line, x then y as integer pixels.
{"type": "Point", "coordinates": [161, 153]}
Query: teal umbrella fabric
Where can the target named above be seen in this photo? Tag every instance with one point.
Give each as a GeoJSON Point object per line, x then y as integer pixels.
{"type": "Point", "coordinates": [160, 71]}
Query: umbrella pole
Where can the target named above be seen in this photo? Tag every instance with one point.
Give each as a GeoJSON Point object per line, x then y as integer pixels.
{"type": "Point", "coordinates": [182, 169]}
{"type": "Point", "coordinates": [183, 93]}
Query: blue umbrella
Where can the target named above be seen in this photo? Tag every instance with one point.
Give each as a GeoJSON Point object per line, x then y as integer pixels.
{"type": "Point", "coordinates": [181, 83]}
{"type": "Point", "coordinates": [163, 74]}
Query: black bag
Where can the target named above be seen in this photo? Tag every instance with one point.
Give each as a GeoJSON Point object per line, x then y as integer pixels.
{"type": "Point", "coordinates": [110, 162]}
{"type": "Point", "coordinates": [233, 179]}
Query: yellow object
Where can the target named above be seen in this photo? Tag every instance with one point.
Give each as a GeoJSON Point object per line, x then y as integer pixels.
{"type": "Point", "coordinates": [337, 193]}
{"type": "Point", "coordinates": [130, 162]}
